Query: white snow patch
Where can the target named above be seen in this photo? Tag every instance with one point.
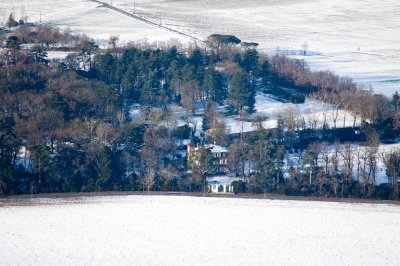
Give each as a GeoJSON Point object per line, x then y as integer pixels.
{"type": "Point", "coordinates": [85, 17]}
{"type": "Point", "coordinates": [311, 110]}
{"type": "Point", "coordinates": [57, 55]}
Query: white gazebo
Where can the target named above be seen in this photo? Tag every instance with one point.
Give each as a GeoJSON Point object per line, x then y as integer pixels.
{"type": "Point", "coordinates": [221, 184]}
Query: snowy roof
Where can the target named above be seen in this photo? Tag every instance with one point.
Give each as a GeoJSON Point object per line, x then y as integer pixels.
{"type": "Point", "coordinates": [217, 149]}
{"type": "Point", "coordinates": [222, 180]}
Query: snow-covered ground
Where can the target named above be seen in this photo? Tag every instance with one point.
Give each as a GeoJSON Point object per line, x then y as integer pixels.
{"type": "Point", "coordinates": [269, 108]}
{"type": "Point", "coordinates": [85, 17]}
{"type": "Point", "coordinates": [381, 177]}
{"type": "Point", "coordinates": [157, 230]}
{"type": "Point", "coordinates": [57, 55]}
{"type": "Point", "coordinates": [94, 24]}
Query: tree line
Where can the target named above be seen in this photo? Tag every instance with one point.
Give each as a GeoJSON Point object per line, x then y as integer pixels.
{"type": "Point", "coordinates": [66, 125]}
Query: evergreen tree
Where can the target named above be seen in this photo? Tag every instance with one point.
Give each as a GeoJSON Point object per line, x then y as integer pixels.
{"type": "Point", "coordinates": [105, 168]}
{"type": "Point", "coordinates": [8, 145]}
{"type": "Point", "coordinates": [268, 160]}
{"type": "Point", "coordinates": [106, 68]}
{"type": "Point", "coordinates": [218, 40]}
{"type": "Point", "coordinates": [11, 22]}
{"type": "Point", "coordinates": [250, 61]}
{"type": "Point", "coordinates": [241, 94]}
{"type": "Point", "coordinates": [129, 85]}
{"type": "Point", "coordinates": [210, 114]}
{"type": "Point", "coordinates": [265, 74]}
{"type": "Point", "coordinates": [196, 58]}
{"type": "Point", "coordinates": [13, 42]}
{"type": "Point", "coordinates": [237, 58]}
{"type": "Point", "coordinates": [40, 155]}
{"type": "Point", "coordinates": [396, 100]}
{"type": "Point", "coordinates": [214, 85]}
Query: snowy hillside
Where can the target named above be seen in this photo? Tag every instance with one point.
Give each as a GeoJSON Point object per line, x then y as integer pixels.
{"type": "Point", "coordinates": [140, 230]}
{"type": "Point", "coordinates": [351, 37]}
{"type": "Point", "coordinates": [85, 17]}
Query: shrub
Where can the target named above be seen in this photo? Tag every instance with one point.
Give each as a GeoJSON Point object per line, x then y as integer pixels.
{"type": "Point", "coordinates": [238, 186]}
{"type": "Point", "coordinates": [297, 97]}
{"type": "Point", "coordinates": [182, 132]}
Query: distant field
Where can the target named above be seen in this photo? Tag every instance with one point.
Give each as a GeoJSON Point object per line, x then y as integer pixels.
{"type": "Point", "coordinates": [351, 37]}
{"type": "Point", "coordinates": [354, 38]}
{"type": "Point", "coordinates": [164, 230]}
{"type": "Point", "coordinates": [85, 17]}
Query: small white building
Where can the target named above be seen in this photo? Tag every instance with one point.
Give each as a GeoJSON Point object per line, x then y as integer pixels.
{"type": "Point", "coordinates": [221, 184]}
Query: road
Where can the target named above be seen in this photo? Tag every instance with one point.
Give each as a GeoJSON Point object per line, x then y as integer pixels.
{"type": "Point", "coordinates": [149, 22]}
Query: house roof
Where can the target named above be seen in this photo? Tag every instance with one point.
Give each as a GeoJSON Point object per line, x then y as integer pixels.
{"type": "Point", "coordinates": [222, 180]}
{"type": "Point", "coordinates": [217, 149]}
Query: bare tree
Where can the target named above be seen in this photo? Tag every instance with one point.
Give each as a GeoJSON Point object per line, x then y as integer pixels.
{"type": "Point", "coordinates": [218, 133]}
{"type": "Point", "coordinates": [190, 94]}
{"type": "Point", "coordinates": [371, 162]}
{"type": "Point", "coordinates": [155, 116]}
{"type": "Point", "coordinates": [312, 114]}
{"type": "Point", "coordinates": [359, 160]}
{"type": "Point", "coordinates": [257, 122]}
{"type": "Point", "coordinates": [391, 160]}
{"type": "Point", "coordinates": [242, 114]}
{"type": "Point", "coordinates": [121, 118]}
{"type": "Point", "coordinates": [238, 157]}
{"type": "Point", "coordinates": [326, 109]}
{"type": "Point", "coordinates": [325, 157]}
{"type": "Point", "coordinates": [149, 166]}
{"type": "Point", "coordinates": [348, 162]}
{"type": "Point", "coordinates": [335, 114]}
{"type": "Point", "coordinates": [305, 48]}
{"type": "Point", "coordinates": [106, 133]}
{"type": "Point", "coordinates": [335, 159]}
{"type": "Point", "coordinates": [113, 41]}
{"type": "Point", "coordinates": [291, 118]}
{"type": "Point", "coordinates": [367, 161]}
{"type": "Point", "coordinates": [172, 116]}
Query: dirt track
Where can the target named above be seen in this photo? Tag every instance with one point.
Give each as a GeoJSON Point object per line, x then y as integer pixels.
{"type": "Point", "coordinates": [26, 199]}
{"type": "Point", "coordinates": [142, 19]}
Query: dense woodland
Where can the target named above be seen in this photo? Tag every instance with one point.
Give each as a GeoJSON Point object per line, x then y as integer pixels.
{"type": "Point", "coordinates": [70, 119]}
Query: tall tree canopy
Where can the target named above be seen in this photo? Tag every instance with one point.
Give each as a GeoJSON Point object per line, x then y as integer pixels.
{"type": "Point", "coordinates": [241, 94]}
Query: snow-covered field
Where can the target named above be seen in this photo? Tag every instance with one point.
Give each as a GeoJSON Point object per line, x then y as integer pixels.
{"type": "Point", "coordinates": [85, 17]}
{"type": "Point", "coordinates": [161, 230]}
